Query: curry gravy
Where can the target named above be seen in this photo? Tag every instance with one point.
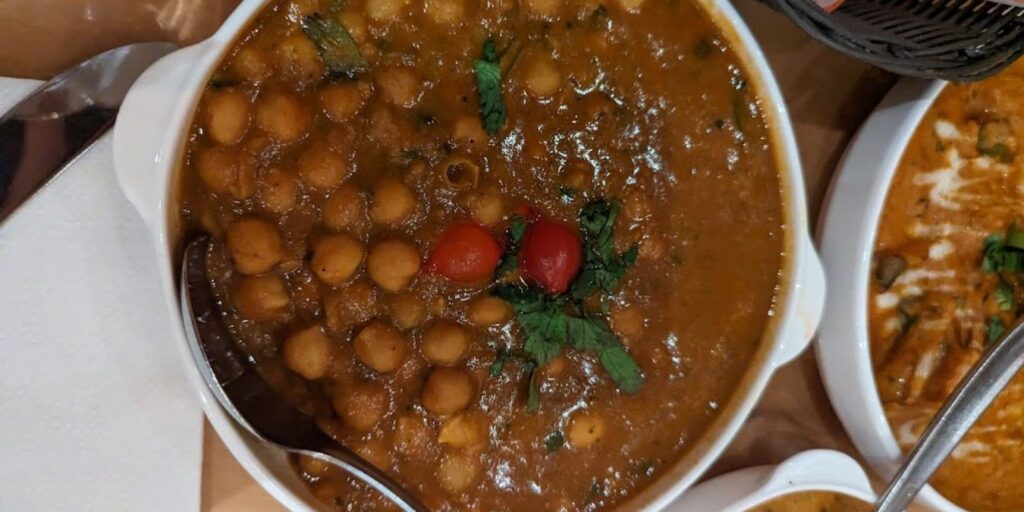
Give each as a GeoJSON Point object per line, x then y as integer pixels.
{"type": "Point", "coordinates": [344, 206]}
{"type": "Point", "coordinates": [935, 302]}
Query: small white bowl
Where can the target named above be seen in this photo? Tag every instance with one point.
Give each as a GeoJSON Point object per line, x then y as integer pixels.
{"type": "Point", "coordinates": [813, 470]}
{"type": "Point", "coordinates": [153, 125]}
{"type": "Point", "coordinates": [847, 235]}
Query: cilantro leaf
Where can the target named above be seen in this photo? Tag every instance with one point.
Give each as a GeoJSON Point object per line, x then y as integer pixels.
{"type": "Point", "coordinates": [602, 267]}
{"type": "Point", "coordinates": [554, 441]}
{"type": "Point", "coordinates": [998, 256]}
{"type": "Point", "coordinates": [488, 88]}
{"type": "Point", "coordinates": [994, 329]}
{"type": "Point", "coordinates": [1004, 297]}
{"type": "Point", "coordinates": [339, 51]}
{"type": "Point", "coordinates": [498, 365]}
{"type": "Point", "coordinates": [509, 257]}
{"type": "Point", "coordinates": [595, 335]}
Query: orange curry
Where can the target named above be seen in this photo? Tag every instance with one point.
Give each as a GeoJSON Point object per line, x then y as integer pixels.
{"type": "Point", "coordinates": [949, 270]}
{"type": "Point", "coordinates": [813, 501]}
{"type": "Point", "coordinates": [516, 253]}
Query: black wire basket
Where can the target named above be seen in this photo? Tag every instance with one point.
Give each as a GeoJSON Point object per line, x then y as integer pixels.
{"type": "Point", "coordinates": [958, 40]}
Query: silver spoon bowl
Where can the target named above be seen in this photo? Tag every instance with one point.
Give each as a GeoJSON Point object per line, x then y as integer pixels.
{"type": "Point", "coordinates": [241, 390]}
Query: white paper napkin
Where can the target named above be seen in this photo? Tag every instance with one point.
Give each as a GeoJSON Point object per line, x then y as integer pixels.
{"type": "Point", "coordinates": [95, 411]}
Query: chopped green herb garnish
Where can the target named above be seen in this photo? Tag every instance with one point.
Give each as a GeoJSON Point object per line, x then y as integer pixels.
{"type": "Point", "coordinates": [554, 441]}
{"type": "Point", "coordinates": [994, 329]}
{"type": "Point", "coordinates": [602, 267]}
{"type": "Point", "coordinates": [549, 328]}
{"type": "Point", "coordinates": [509, 257]}
{"type": "Point", "coordinates": [532, 390]}
{"type": "Point", "coordinates": [1004, 297]}
{"type": "Point", "coordinates": [997, 256]}
{"type": "Point", "coordinates": [339, 51]}
{"type": "Point", "coordinates": [567, 192]}
{"type": "Point", "coordinates": [1015, 238]}
{"type": "Point", "coordinates": [488, 87]}
{"type": "Point", "coordinates": [499, 362]}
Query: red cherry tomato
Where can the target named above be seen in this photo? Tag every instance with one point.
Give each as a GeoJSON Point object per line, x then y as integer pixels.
{"type": "Point", "coordinates": [465, 253]}
{"type": "Point", "coordinates": [550, 255]}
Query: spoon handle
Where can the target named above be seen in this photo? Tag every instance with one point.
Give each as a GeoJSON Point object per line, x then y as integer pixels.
{"type": "Point", "coordinates": [973, 395]}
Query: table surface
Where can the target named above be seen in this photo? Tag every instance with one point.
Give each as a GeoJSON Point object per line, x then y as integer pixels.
{"type": "Point", "coordinates": [828, 96]}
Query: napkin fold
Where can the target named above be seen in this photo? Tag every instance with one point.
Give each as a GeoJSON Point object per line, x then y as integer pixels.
{"type": "Point", "coordinates": [95, 409]}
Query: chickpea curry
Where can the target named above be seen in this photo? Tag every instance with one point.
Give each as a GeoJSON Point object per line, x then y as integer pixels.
{"type": "Point", "coordinates": [949, 280]}
{"type": "Point", "coordinates": [814, 501]}
{"type": "Point", "coordinates": [483, 242]}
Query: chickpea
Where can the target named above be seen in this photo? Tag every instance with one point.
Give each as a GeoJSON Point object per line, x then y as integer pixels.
{"type": "Point", "coordinates": [487, 208]}
{"type": "Point", "coordinates": [226, 171]}
{"type": "Point", "coordinates": [393, 263]}
{"type": "Point", "coordinates": [313, 466]}
{"type": "Point", "coordinates": [412, 435]}
{"type": "Point", "coordinates": [542, 77]}
{"type": "Point", "coordinates": [392, 202]}
{"type": "Point", "coordinates": [344, 209]}
{"type": "Point", "coordinates": [227, 116]}
{"type": "Point", "coordinates": [575, 177]}
{"type": "Point", "coordinates": [444, 343]}
{"type": "Point", "coordinates": [260, 298]}
{"type": "Point", "coordinates": [355, 304]}
{"type": "Point", "coordinates": [464, 431]}
{"type": "Point", "coordinates": [336, 258]}
{"type": "Point", "coordinates": [408, 311]}
{"type": "Point", "coordinates": [556, 366]}
{"type": "Point", "coordinates": [486, 311]}
{"type": "Point", "coordinates": [448, 390]}
{"type": "Point", "coordinates": [628, 323]}
{"type": "Point", "coordinates": [381, 346]}
{"type": "Point", "coordinates": [283, 116]}
{"type": "Point", "coordinates": [445, 12]}
{"type": "Point", "coordinates": [585, 428]}
{"type": "Point", "coordinates": [355, 23]}
{"type": "Point", "coordinates": [398, 86]}
{"type": "Point", "coordinates": [308, 352]}
{"type": "Point", "coordinates": [458, 471]}
{"type": "Point", "coordinates": [255, 245]}
{"type": "Point", "coordinates": [543, 8]}
{"type": "Point", "coordinates": [321, 168]}
{"type": "Point", "coordinates": [384, 10]}
{"type": "Point", "coordinates": [298, 60]}
{"type": "Point", "coordinates": [375, 452]}
{"type": "Point", "coordinates": [469, 130]}
{"type": "Point", "coordinates": [341, 101]}
{"type": "Point", "coordinates": [278, 191]}
{"type": "Point", "coordinates": [251, 64]}
{"type": "Point", "coordinates": [361, 405]}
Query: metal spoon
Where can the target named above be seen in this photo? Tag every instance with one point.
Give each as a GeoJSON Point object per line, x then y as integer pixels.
{"type": "Point", "coordinates": [245, 395]}
{"type": "Point", "coordinates": [973, 395]}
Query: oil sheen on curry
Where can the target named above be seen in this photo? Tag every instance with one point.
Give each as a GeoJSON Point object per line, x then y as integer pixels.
{"type": "Point", "coordinates": [516, 253]}
{"type": "Point", "coordinates": [949, 270]}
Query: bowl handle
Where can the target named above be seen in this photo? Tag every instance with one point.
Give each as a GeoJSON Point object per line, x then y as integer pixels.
{"type": "Point", "coordinates": [142, 141]}
{"type": "Point", "coordinates": [808, 303]}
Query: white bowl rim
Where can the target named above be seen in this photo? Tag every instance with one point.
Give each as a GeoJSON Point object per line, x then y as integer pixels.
{"type": "Point", "coordinates": [807, 471]}
{"type": "Point", "coordinates": [142, 141]}
{"type": "Point", "coordinates": [847, 229]}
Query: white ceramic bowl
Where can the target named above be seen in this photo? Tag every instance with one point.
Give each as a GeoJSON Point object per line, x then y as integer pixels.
{"type": "Point", "coordinates": [813, 470]}
{"type": "Point", "coordinates": [848, 229]}
{"type": "Point", "coordinates": [148, 140]}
